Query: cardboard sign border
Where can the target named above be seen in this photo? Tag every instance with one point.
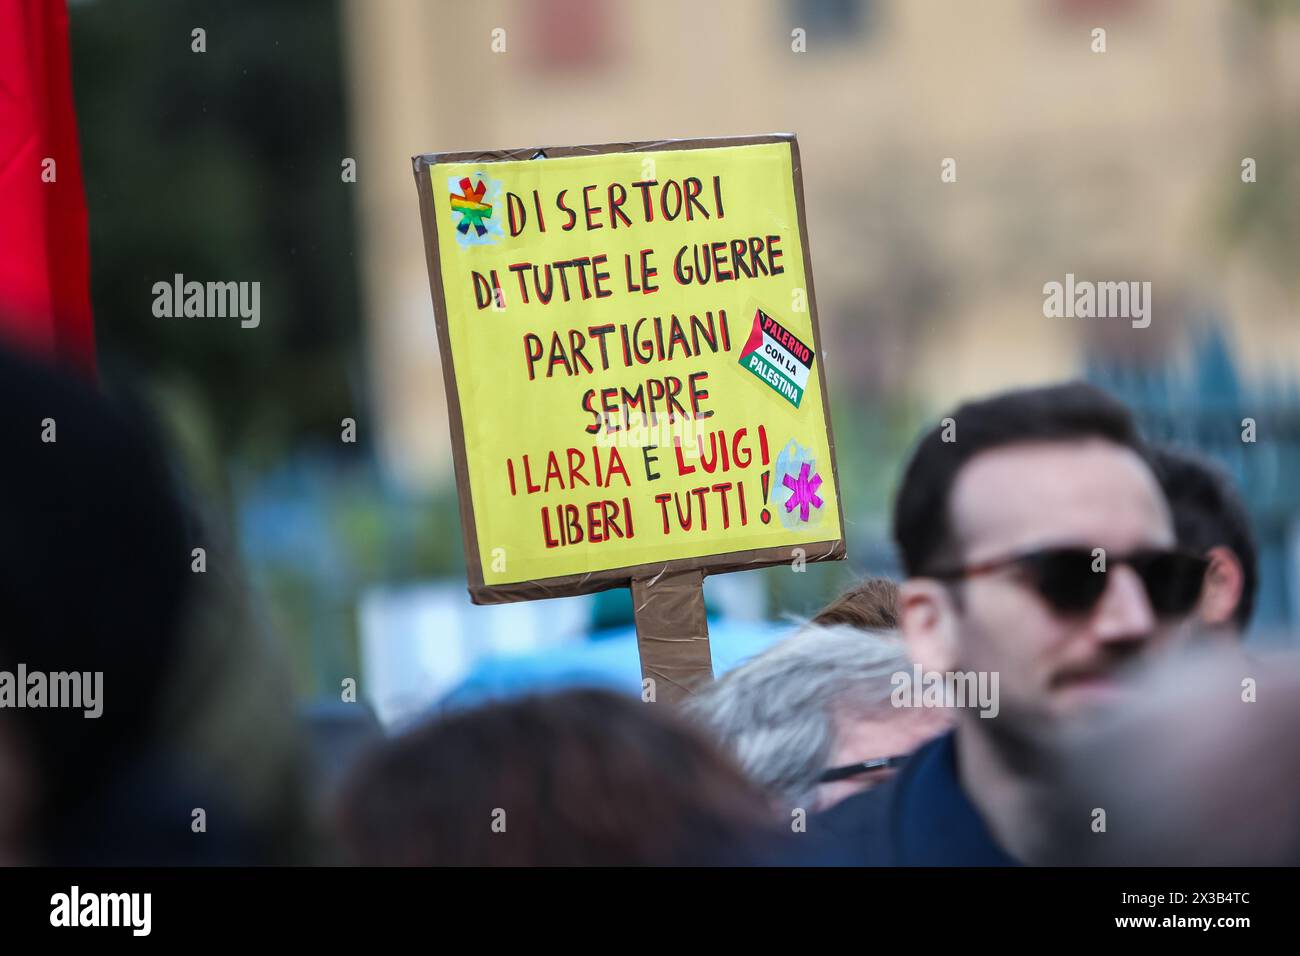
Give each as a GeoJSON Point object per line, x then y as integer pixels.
{"type": "Point", "coordinates": [592, 581]}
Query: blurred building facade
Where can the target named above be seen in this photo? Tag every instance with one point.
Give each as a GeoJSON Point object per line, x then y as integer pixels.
{"type": "Point", "coordinates": [1068, 161]}
{"type": "Point", "coordinates": [1112, 166]}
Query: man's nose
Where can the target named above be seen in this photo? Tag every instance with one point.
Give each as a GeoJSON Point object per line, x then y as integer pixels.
{"type": "Point", "coordinates": [1124, 612]}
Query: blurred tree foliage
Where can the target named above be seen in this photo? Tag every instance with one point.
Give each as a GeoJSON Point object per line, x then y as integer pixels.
{"type": "Point", "coordinates": [222, 166]}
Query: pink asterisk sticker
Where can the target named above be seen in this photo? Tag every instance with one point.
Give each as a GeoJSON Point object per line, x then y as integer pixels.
{"type": "Point", "coordinates": [804, 492]}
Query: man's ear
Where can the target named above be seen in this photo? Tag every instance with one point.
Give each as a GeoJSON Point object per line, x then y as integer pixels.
{"type": "Point", "coordinates": [927, 618]}
{"type": "Point", "coordinates": [1222, 588]}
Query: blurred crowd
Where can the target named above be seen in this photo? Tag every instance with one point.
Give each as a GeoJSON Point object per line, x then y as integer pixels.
{"type": "Point", "coordinates": [1095, 589]}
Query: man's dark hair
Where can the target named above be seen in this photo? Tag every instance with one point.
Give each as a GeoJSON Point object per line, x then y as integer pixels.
{"type": "Point", "coordinates": [1208, 513]}
{"type": "Point", "coordinates": [923, 526]}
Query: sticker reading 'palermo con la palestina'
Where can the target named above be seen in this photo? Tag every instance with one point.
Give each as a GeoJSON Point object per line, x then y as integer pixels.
{"type": "Point", "coordinates": [778, 357]}
{"type": "Point", "coordinates": [630, 344]}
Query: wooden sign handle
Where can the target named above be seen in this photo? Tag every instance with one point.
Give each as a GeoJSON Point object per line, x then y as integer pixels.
{"type": "Point", "coordinates": [672, 633]}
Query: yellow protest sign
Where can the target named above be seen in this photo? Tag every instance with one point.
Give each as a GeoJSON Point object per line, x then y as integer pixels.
{"type": "Point", "coordinates": [634, 379]}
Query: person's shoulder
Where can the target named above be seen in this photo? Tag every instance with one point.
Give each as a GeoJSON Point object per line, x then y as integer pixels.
{"type": "Point", "coordinates": [857, 829]}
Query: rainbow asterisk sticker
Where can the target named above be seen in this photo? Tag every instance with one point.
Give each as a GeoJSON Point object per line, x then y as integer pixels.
{"type": "Point", "coordinates": [471, 207]}
{"type": "Point", "coordinates": [472, 204]}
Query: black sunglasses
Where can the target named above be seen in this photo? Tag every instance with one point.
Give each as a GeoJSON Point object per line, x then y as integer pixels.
{"type": "Point", "coordinates": [1066, 580]}
{"type": "Point", "coordinates": [861, 767]}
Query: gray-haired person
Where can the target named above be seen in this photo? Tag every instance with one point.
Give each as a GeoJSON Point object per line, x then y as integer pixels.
{"type": "Point", "coordinates": [812, 720]}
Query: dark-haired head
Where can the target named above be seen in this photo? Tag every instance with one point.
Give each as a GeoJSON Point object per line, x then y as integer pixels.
{"type": "Point", "coordinates": [1039, 548]}
{"type": "Point", "coordinates": [1211, 519]}
{"type": "Point", "coordinates": [94, 580]}
{"type": "Point", "coordinates": [583, 777]}
{"type": "Point", "coordinates": [923, 525]}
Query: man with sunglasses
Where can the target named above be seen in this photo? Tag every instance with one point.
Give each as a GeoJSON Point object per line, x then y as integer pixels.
{"type": "Point", "coordinates": [1038, 546]}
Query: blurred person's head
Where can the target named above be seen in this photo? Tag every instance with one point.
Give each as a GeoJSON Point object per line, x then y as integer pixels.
{"type": "Point", "coordinates": [97, 583]}
{"type": "Point", "coordinates": [583, 777]}
{"type": "Point", "coordinates": [1210, 519]}
{"type": "Point", "coordinates": [811, 719]}
{"type": "Point", "coordinates": [1198, 768]}
{"type": "Point", "coordinates": [94, 579]}
{"type": "Point", "coordinates": [871, 605]}
{"type": "Point", "coordinates": [1038, 546]}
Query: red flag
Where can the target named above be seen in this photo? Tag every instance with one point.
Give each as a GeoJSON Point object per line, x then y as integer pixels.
{"type": "Point", "coordinates": [44, 246]}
